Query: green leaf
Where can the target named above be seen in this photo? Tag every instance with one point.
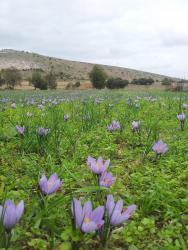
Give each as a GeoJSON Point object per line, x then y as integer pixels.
{"type": "Point", "coordinates": [64, 246]}
{"type": "Point", "coordinates": [90, 189]}
{"type": "Point", "coordinates": [132, 247]}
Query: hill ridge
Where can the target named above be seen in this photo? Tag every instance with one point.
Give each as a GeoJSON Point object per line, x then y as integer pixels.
{"type": "Point", "coordinates": [67, 69]}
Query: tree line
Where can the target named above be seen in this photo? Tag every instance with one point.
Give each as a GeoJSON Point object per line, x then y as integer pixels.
{"type": "Point", "coordinates": [100, 80]}
{"type": "Point", "coordinates": [43, 81]}
{"type": "Point", "coordinates": [12, 77]}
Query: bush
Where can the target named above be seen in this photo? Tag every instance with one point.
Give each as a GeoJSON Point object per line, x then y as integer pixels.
{"type": "Point", "coordinates": [116, 83]}
{"type": "Point", "coordinates": [1, 80]}
{"type": "Point", "coordinates": [51, 80]}
{"type": "Point", "coordinates": [38, 81]}
{"type": "Point", "coordinates": [98, 77]}
{"type": "Point", "coordinates": [69, 86]}
{"type": "Point", "coordinates": [143, 81]}
{"type": "Point", "coordinates": [11, 77]}
{"type": "Point", "coordinates": [44, 85]}
{"type": "Point", "coordinates": [176, 88]}
{"type": "Point", "coordinates": [166, 81]}
{"type": "Point", "coordinates": [77, 84]}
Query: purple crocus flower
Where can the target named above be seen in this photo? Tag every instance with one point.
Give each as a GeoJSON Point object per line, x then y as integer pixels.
{"type": "Point", "coordinates": [51, 185]}
{"type": "Point", "coordinates": [4, 100]}
{"type": "Point", "coordinates": [181, 117]}
{"type": "Point", "coordinates": [136, 126]}
{"type": "Point", "coordinates": [41, 107]}
{"type": "Point", "coordinates": [185, 105]}
{"type": "Point", "coordinates": [86, 219]}
{"type": "Point", "coordinates": [54, 102]}
{"type": "Point", "coordinates": [97, 166]}
{"type": "Point", "coordinates": [43, 131]}
{"type": "Point", "coordinates": [66, 117]}
{"type": "Point", "coordinates": [115, 212]}
{"type": "Point", "coordinates": [115, 125]}
{"type": "Point", "coordinates": [13, 105]}
{"type": "Point", "coordinates": [106, 179]}
{"type": "Point", "coordinates": [20, 129]}
{"type": "Point", "coordinates": [10, 214]}
{"type": "Point", "coordinates": [160, 147]}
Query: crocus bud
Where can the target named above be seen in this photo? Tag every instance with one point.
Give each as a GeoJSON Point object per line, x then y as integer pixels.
{"type": "Point", "coordinates": [10, 214]}
{"type": "Point", "coordinates": [51, 185]}
{"type": "Point", "coordinates": [160, 148]}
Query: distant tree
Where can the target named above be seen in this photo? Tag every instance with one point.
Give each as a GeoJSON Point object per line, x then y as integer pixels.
{"type": "Point", "coordinates": [166, 81]}
{"type": "Point", "coordinates": [11, 77]}
{"type": "Point", "coordinates": [182, 81]}
{"type": "Point", "coordinates": [98, 77]}
{"type": "Point", "coordinates": [69, 86]}
{"type": "Point", "coordinates": [143, 81]}
{"type": "Point", "coordinates": [51, 80]}
{"type": "Point", "coordinates": [77, 84]}
{"type": "Point", "coordinates": [61, 75]}
{"type": "Point", "coordinates": [44, 85]}
{"type": "Point", "coordinates": [2, 82]}
{"type": "Point", "coordinates": [177, 87]}
{"type": "Point", "coordinates": [38, 81]}
{"type": "Point", "coordinates": [116, 83]}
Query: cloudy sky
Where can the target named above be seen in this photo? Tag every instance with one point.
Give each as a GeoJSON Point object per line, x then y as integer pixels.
{"type": "Point", "coordinates": [150, 35]}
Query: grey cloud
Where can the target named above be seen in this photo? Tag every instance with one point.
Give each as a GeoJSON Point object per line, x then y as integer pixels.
{"type": "Point", "coordinates": [174, 39]}
{"type": "Point", "coordinates": [147, 35]}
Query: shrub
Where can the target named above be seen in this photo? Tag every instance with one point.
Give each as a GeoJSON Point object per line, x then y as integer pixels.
{"type": "Point", "coordinates": [98, 77]}
{"type": "Point", "coordinates": [51, 80]}
{"type": "Point", "coordinates": [68, 86]}
{"type": "Point", "coordinates": [38, 81]}
{"type": "Point", "coordinates": [176, 88]}
{"type": "Point", "coordinates": [11, 77]}
{"type": "Point", "coordinates": [77, 84]}
{"type": "Point", "coordinates": [166, 81]}
{"type": "Point", "coordinates": [1, 79]}
{"type": "Point", "coordinates": [61, 75]}
{"type": "Point", "coordinates": [143, 81]}
{"type": "Point", "coordinates": [44, 85]}
{"type": "Point", "coordinates": [116, 83]}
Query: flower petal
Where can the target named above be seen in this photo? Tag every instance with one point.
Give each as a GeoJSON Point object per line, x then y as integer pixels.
{"type": "Point", "coordinates": [89, 227]}
{"type": "Point", "coordinates": [110, 204]}
{"type": "Point", "coordinates": [119, 205]}
{"type": "Point", "coordinates": [116, 218]}
{"type": "Point", "coordinates": [19, 210]}
{"type": "Point", "coordinates": [43, 183]}
{"type": "Point", "coordinates": [107, 163]}
{"type": "Point", "coordinates": [9, 217]}
{"type": "Point", "coordinates": [77, 212]}
{"type": "Point", "coordinates": [53, 177]}
{"type": "Point", "coordinates": [1, 211]}
{"type": "Point", "coordinates": [129, 212]}
{"type": "Point", "coordinates": [87, 208]}
{"type": "Point", "coordinates": [97, 214]}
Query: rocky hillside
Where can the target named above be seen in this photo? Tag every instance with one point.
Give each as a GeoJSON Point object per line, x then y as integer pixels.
{"type": "Point", "coordinates": [65, 69]}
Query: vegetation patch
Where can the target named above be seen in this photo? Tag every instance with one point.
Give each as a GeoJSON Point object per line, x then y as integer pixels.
{"type": "Point", "coordinates": [95, 169]}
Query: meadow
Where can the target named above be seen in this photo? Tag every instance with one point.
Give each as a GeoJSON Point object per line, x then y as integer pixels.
{"type": "Point", "coordinates": [67, 133]}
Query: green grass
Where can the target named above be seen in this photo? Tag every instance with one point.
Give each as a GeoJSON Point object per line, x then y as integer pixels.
{"type": "Point", "coordinates": [159, 187]}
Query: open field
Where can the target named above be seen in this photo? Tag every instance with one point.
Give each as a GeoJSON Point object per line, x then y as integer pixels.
{"type": "Point", "coordinates": [57, 132]}
{"type": "Point", "coordinates": [86, 85]}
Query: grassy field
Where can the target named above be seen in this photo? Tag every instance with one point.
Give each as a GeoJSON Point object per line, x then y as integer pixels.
{"type": "Point", "coordinates": [76, 126]}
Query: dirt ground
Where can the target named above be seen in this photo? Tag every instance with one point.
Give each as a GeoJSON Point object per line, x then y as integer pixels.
{"type": "Point", "coordinates": [87, 85]}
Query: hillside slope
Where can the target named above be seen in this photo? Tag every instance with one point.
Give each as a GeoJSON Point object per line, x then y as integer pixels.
{"type": "Point", "coordinates": [71, 70]}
